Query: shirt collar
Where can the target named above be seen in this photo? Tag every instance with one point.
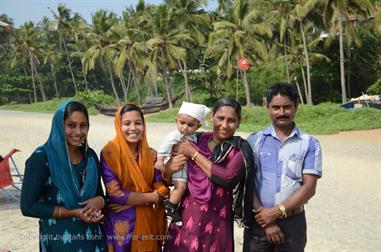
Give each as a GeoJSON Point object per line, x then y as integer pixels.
{"type": "Point", "coordinates": [271, 131]}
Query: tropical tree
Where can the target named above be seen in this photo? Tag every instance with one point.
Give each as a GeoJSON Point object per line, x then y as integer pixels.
{"type": "Point", "coordinates": [102, 49]}
{"type": "Point", "coordinates": [167, 42]}
{"type": "Point", "coordinates": [241, 35]}
{"type": "Point", "coordinates": [27, 45]}
{"type": "Point", "coordinates": [336, 20]}
{"type": "Point", "coordinates": [63, 18]}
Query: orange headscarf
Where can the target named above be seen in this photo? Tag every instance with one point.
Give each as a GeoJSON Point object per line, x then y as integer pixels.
{"type": "Point", "coordinates": [137, 176]}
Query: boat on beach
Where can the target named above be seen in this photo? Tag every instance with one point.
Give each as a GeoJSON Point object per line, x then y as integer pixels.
{"type": "Point", "coordinates": [362, 102]}
{"type": "Point", "coordinates": [152, 104]}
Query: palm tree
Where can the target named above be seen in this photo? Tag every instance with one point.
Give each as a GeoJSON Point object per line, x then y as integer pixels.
{"type": "Point", "coordinates": [62, 19]}
{"type": "Point", "coordinates": [80, 29]}
{"type": "Point", "coordinates": [238, 36]}
{"type": "Point", "coordinates": [336, 20]}
{"type": "Point", "coordinates": [101, 35]}
{"type": "Point", "coordinates": [52, 56]}
{"type": "Point", "coordinates": [27, 45]}
{"type": "Point", "coordinates": [167, 42]}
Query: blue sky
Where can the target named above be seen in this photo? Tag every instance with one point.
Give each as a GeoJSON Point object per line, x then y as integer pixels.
{"type": "Point", "coordinates": [33, 10]}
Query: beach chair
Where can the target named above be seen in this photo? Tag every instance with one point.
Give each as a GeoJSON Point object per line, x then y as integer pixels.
{"type": "Point", "coordinates": [10, 177]}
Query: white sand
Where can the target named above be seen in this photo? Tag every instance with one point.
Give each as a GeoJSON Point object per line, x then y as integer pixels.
{"type": "Point", "coordinates": [344, 215]}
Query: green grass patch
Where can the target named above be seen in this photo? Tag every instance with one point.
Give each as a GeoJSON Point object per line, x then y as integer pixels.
{"type": "Point", "coordinates": [42, 107]}
{"type": "Point", "coordinates": [325, 118]}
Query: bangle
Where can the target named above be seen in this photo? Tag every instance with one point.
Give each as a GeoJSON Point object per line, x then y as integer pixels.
{"type": "Point", "coordinates": [195, 156]}
{"type": "Point", "coordinates": [59, 212]}
{"type": "Point", "coordinates": [282, 209]}
{"type": "Point", "coordinates": [103, 201]}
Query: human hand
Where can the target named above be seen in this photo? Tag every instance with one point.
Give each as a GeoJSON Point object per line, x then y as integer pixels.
{"type": "Point", "coordinates": [274, 234]}
{"type": "Point", "coordinates": [186, 148]}
{"type": "Point", "coordinates": [177, 163]}
{"type": "Point", "coordinates": [96, 217]}
{"type": "Point", "coordinates": [159, 164]}
{"type": "Point", "coordinates": [92, 206]}
{"type": "Point", "coordinates": [266, 216]}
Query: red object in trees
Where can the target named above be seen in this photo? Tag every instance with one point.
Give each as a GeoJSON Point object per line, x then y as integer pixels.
{"type": "Point", "coordinates": [243, 64]}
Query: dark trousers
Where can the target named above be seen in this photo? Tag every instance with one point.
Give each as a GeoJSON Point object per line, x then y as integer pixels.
{"type": "Point", "coordinates": [295, 232]}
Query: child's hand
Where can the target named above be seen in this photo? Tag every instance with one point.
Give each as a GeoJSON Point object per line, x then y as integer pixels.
{"type": "Point", "coordinates": [159, 165]}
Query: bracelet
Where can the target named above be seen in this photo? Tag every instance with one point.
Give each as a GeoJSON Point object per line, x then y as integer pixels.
{"type": "Point", "coordinates": [282, 208]}
{"type": "Point", "coordinates": [59, 212]}
{"type": "Point", "coordinates": [103, 201]}
{"type": "Point", "coordinates": [195, 155]}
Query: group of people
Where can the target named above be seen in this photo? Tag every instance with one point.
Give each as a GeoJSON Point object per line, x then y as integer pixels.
{"type": "Point", "coordinates": [262, 182]}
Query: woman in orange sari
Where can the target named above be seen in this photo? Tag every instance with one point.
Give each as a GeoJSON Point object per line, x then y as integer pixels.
{"type": "Point", "coordinates": [134, 219]}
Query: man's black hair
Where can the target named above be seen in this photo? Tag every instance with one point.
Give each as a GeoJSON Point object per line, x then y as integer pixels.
{"type": "Point", "coordinates": [282, 88]}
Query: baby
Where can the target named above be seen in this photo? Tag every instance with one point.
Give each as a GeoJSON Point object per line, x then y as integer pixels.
{"type": "Point", "coordinates": [190, 118]}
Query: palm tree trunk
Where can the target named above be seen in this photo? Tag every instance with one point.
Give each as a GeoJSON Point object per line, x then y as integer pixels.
{"type": "Point", "coordinates": [136, 86]}
{"type": "Point", "coordinates": [342, 69]}
{"type": "Point", "coordinates": [286, 63]}
{"type": "Point", "coordinates": [166, 85]}
{"type": "Point", "coordinates": [71, 70]}
{"type": "Point", "coordinates": [188, 94]}
{"type": "Point", "coordinates": [32, 72]}
{"type": "Point", "coordinates": [83, 70]}
{"type": "Point", "coordinates": [112, 82]}
{"type": "Point", "coordinates": [41, 87]}
{"type": "Point", "coordinates": [54, 81]}
{"type": "Point", "coordinates": [247, 90]}
{"type": "Point", "coordinates": [309, 97]}
{"type": "Point", "coordinates": [304, 81]}
{"type": "Point", "coordinates": [299, 91]}
{"type": "Point", "coordinates": [124, 88]}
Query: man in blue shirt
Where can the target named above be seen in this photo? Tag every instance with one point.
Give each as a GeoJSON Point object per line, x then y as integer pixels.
{"type": "Point", "coordinates": [288, 166]}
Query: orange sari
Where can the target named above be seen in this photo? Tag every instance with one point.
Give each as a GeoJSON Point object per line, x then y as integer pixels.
{"type": "Point", "coordinates": [138, 176]}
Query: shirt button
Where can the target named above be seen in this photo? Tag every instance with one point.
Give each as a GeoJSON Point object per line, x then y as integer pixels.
{"type": "Point", "coordinates": [278, 174]}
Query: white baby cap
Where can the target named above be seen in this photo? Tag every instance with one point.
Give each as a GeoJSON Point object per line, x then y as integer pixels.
{"type": "Point", "coordinates": [198, 111]}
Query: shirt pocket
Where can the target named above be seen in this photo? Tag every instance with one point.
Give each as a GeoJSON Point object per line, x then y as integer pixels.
{"type": "Point", "coordinates": [267, 160]}
{"type": "Point", "coordinates": [294, 167]}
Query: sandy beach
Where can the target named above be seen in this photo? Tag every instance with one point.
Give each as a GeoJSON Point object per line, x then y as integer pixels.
{"type": "Point", "coordinates": [344, 215]}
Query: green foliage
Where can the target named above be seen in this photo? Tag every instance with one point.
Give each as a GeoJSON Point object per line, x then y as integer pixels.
{"type": "Point", "coordinates": [375, 88]}
{"type": "Point", "coordinates": [325, 118]}
{"type": "Point", "coordinates": [90, 98]}
{"type": "Point", "coordinates": [263, 76]}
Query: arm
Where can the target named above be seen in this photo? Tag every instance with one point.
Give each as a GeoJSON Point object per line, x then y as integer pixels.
{"type": "Point", "coordinates": [311, 172]}
{"type": "Point", "coordinates": [117, 195]}
{"type": "Point", "coordinates": [35, 176]}
{"type": "Point", "coordinates": [174, 164]}
{"type": "Point", "coordinates": [227, 176]}
{"type": "Point", "coordinates": [266, 216]}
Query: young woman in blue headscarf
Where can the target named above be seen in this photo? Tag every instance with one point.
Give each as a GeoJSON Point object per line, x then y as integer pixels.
{"type": "Point", "coordinates": [62, 185]}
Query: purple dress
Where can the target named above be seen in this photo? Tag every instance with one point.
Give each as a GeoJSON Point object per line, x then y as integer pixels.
{"type": "Point", "coordinates": [208, 226]}
{"type": "Point", "coordinates": [118, 226]}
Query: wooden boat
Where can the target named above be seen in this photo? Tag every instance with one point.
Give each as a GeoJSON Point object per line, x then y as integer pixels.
{"type": "Point", "coordinates": [362, 102]}
{"type": "Point", "coordinates": [152, 104]}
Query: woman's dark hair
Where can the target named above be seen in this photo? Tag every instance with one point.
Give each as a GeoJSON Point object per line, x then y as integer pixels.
{"type": "Point", "coordinates": [76, 106]}
{"type": "Point", "coordinates": [284, 89]}
{"type": "Point", "coordinates": [228, 102]}
{"type": "Point", "coordinates": [132, 107]}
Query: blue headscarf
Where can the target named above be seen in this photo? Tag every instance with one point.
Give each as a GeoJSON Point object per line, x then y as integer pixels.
{"type": "Point", "coordinates": [61, 169]}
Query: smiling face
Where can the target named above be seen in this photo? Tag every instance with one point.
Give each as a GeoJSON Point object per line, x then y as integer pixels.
{"type": "Point", "coordinates": [225, 122]}
{"type": "Point", "coordinates": [282, 112]}
{"type": "Point", "coordinates": [132, 126]}
{"type": "Point", "coordinates": [76, 129]}
{"type": "Point", "coordinates": [186, 124]}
